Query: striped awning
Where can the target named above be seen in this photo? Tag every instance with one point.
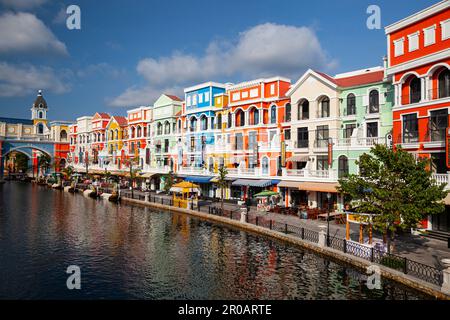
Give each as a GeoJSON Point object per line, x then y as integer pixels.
{"type": "Point", "coordinates": [254, 183]}
{"type": "Point", "coordinates": [319, 186]}
{"type": "Point", "coordinates": [298, 158]}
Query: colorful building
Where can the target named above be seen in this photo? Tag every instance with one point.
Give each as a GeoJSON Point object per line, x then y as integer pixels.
{"type": "Point", "coordinates": [138, 132]}
{"type": "Point", "coordinates": [418, 64]}
{"type": "Point", "coordinates": [116, 137]}
{"type": "Point", "coordinates": [98, 137]}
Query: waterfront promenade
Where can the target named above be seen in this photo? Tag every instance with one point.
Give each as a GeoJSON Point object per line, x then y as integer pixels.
{"type": "Point", "coordinates": [417, 248]}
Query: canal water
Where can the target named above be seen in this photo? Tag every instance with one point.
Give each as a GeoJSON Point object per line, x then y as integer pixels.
{"type": "Point", "coordinates": [127, 252]}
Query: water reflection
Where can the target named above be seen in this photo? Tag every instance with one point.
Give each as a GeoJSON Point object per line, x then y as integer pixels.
{"type": "Point", "coordinates": [134, 252]}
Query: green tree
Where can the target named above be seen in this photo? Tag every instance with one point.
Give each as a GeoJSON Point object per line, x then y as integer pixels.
{"type": "Point", "coordinates": [169, 180]}
{"type": "Point", "coordinates": [21, 162]}
{"type": "Point", "coordinates": [68, 172]}
{"type": "Point", "coordinates": [133, 171]}
{"type": "Point", "coordinates": [44, 163]}
{"type": "Point", "coordinates": [222, 183]}
{"type": "Point", "coordinates": [396, 188]}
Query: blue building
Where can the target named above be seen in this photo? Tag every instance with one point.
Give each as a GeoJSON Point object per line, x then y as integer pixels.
{"type": "Point", "coordinates": [201, 122]}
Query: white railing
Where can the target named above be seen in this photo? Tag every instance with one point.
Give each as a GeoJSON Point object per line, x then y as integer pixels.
{"type": "Point", "coordinates": [311, 174]}
{"type": "Point", "coordinates": [441, 178]}
{"type": "Point", "coordinates": [360, 142]}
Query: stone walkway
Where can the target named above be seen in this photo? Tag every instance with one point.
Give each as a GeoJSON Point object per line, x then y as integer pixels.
{"type": "Point", "coordinates": [417, 248]}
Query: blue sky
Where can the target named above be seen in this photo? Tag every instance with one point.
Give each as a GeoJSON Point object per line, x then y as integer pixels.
{"type": "Point", "coordinates": [128, 52]}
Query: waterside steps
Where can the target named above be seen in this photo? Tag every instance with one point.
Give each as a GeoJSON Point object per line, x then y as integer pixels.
{"type": "Point", "coordinates": [438, 235]}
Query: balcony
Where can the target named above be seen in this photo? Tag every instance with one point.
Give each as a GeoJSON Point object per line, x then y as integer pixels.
{"type": "Point", "coordinates": [311, 175]}
{"type": "Point", "coordinates": [359, 142]}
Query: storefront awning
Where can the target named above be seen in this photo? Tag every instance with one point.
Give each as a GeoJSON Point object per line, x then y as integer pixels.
{"type": "Point", "coordinates": [298, 158]}
{"type": "Point", "coordinates": [319, 186]}
{"type": "Point", "coordinates": [289, 184]}
{"type": "Point", "coordinates": [146, 175]}
{"type": "Point", "coordinates": [254, 183]}
{"type": "Point", "coordinates": [198, 179]}
{"type": "Point", "coordinates": [216, 179]}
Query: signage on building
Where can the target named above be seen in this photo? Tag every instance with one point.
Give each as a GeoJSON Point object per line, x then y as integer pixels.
{"type": "Point", "coordinates": [283, 154]}
{"type": "Point", "coordinates": [330, 152]}
{"type": "Point", "coordinates": [447, 146]}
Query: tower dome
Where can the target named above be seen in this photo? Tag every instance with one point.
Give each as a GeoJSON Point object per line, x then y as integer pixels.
{"type": "Point", "coordinates": [40, 102]}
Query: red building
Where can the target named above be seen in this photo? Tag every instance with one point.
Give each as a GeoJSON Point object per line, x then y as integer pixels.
{"type": "Point", "coordinates": [419, 66]}
{"type": "Point", "coordinates": [99, 122]}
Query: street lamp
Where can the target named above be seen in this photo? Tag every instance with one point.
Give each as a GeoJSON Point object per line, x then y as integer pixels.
{"type": "Point", "coordinates": [328, 218]}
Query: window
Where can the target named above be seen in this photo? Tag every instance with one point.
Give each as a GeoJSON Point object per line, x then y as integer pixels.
{"type": "Point", "coordinates": [302, 138]}
{"type": "Point", "coordinates": [429, 35]}
{"type": "Point", "coordinates": [444, 84]}
{"type": "Point", "coordinates": [159, 129]}
{"type": "Point", "coordinates": [398, 47]}
{"type": "Point", "coordinates": [287, 134]}
{"type": "Point", "coordinates": [41, 114]}
{"type": "Point", "coordinates": [303, 110]}
{"type": "Point", "coordinates": [372, 130]}
{"type": "Point", "coordinates": [322, 136]}
{"type": "Point", "coordinates": [244, 94]}
{"type": "Point", "coordinates": [272, 89]}
{"type": "Point", "coordinates": [239, 141]}
{"type": "Point", "coordinates": [203, 123]}
{"type": "Point", "coordinates": [348, 131]}
{"type": "Point", "coordinates": [254, 116]}
{"type": "Point", "coordinates": [374, 101]}
{"type": "Point", "coordinates": [322, 162]}
{"type": "Point", "coordinates": [240, 118]}
{"type": "Point", "coordinates": [193, 126]}
{"type": "Point", "coordinates": [188, 101]}
{"type": "Point", "coordinates": [438, 124]}
{"type": "Point", "coordinates": [192, 149]}
{"type": "Point", "coordinates": [414, 90]}
{"type": "Point", "coordinates": [40, 128]}
{"type": "Point", "coordinates": [236, 96]}
{"type": "Point", "coordinates": [206, 96]}
{"type": "Point", "coordinates": [413, 41]}
{"type": "Point", "coordinates": [325, 108]}
{"type": "Point", "coordinates": [200, 98]}
{"type": "Point", "coordinates": [167, 128]}
{"type": "Point", "coordinates": [343, 166]}
{"type": "Point", "coordinates": [230, 120]}
{"type": "Point", "coordinates": [253, 93]}
{"type": "Point", "coordinates": [410, 128]}
{"type": "Point", "coordinates": [252, 140]}
{"type": "Point", "coordinates": [265, 165]}
{"type": "Point", "coordinates": [273, 114]}
{"type": "Point", "coordinates": [219, 121]}
{"type": "Point", "coordinates": [287, 113]}
{"type": "Point", "coordinates": [351, 104]}
{"type": "Point", "coordinates": [139, 131]}
{"type": "Point", "coordinates": [445, 25]}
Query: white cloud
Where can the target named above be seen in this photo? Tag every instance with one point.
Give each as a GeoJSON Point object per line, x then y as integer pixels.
{"type": "Point", "coordinates": [24, 32]}
{"type": "Point", "coordinates": [137, 96]}
{"type": "Point", "coordinates": [19, 80]}
{"type": "Point", "coordinates": [22, 4]}
{"type": "Point", "coordinates": [61, 16]}
{"type": "Point", "coordinates": [264, 50]}
{"type": "Point", "coordinates": [101, 68]}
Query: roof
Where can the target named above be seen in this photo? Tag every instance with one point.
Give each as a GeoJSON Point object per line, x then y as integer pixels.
{"type": "Point", "coordinates": [361, 79]}
{"type": "Point", "coordinates": [104, 115]}
{"type": "Point", "coordinates": [173, 97]}
{"type": "Point", "coordinates": [16, 121]}
{"type": "Point", "coordinates": [40, 101]}
{"type": "Point", "coordinates": [122, 121]}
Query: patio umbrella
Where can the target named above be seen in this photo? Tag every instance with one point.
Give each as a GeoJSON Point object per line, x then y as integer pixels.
{"type": "Point", "coordinates": [266, 193]}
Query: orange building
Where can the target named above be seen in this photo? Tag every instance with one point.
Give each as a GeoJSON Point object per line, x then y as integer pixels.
{"type": "Point", "coordinates": [418, 64]}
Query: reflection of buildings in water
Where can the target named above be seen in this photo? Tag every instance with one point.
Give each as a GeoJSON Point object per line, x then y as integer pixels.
{"type": "Point", "coordinates": [181, 224]}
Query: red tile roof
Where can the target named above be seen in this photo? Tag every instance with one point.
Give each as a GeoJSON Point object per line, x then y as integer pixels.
{"type": "Point", "coordinates": [173, 97]}
{"type": "Point", "coordinates": [356, 80]}
{"type": "Point", "coordinates": [104, 115]}
{"type": "Point", "coordinates": [122, 121]}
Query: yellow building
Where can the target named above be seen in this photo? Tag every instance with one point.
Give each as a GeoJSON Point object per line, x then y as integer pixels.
{"type": "Point", "coordinates": [116, 135]}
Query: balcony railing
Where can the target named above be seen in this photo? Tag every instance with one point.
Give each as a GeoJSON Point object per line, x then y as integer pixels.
{"type": "Point", "coordinates": [360, 142]}
{"type": "Point", "coordinates": [330, 174]}
{"type": "Point", "coordinates": [321, 143]}
{"type": "Point", "coordinates": [441, 178]}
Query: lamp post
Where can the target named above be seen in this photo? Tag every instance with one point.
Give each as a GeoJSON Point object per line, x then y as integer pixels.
{"type": "Point", "coordinates": [328, 218]}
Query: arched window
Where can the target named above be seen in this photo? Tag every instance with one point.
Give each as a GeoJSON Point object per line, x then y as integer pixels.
{"type": "Point", "coordinates": [211, 165]}
{"type": "Point", "coordinates": [41, 114]}
{"type": "Point", "coordinates": [265, 165]}
{"type": "Point", "coordinates": [159, 129]}
{"type": "Point", "coordinates": [167, 127]}
{"type": "Point", "coordinates": [374, 101]}
{"type": "Point", "coordinates": [287, 113]}
{"type": "Point", "coordinates": [240, 118]}
{"type": "Point", "coordinates": [444, 84]}
{"type": "Point", "coordinates": [203, 123]}
{"type": "Point", "coordinates": [63, 136]}
{"type": "Point", "coordinates": [273, 114]}
{"type": "Point", "coordinates": [139, 131]}
{"type": "Point", "coordinates": [414, 90]}
{"type": "Point", "coordinates": [303, 110]}
{"type": "Point", "coordinates": [351, 104]}
{"type": "Point", "coordinates": [133, 132]}
{"type": "Point", "coordinates": [254, 117]}
{"type": "Point", "coordinates": [342, 166]}
{"type": "Point", "coordinates": [193, 126]}
{"type": "Point", "coordinates": [230, 120]}
{"type": "Point", "coordinates": [219, 121]}
{"type": "Point", "coordinates": [40, 128]}
{"type": "Point", "coordinates": [325, 107]}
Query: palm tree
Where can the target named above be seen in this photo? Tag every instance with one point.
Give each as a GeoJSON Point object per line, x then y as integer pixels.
{"type": "Point", "coordinates": [222, 182]}
{"type": "Point", "coordinates": [169, 181]}
{"type": "Point", "coordinates": [133, 172]}
{"type": "Point", "coordinates": [68, 172]}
